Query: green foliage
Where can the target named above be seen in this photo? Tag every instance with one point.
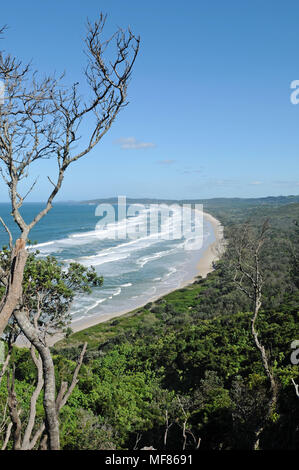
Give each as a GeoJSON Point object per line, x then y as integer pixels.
{"type": "Point", "coordinates": [49, 287]}
{"type": "Point", "coordinates": [198, 342]}
{"type": "Point", "coordinates": [188, 359]}
{"type": "Point", "coordinates": [84, 430]}
{"type": "Point", "coordinates": [211, 365]}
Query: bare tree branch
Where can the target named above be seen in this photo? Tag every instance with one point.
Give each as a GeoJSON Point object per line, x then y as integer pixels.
{"type": "Point", "coordinates": [296, 386]}
{"type": "Point", "coordinates": [41, 119]}
{"type": "Point", "coordinates": [33, 400]}
{"type": "Point", "coordinates": [66, 392]}
{"type": "Point", "coordinates": [8, 232]}
{"type": "Point", "coordinates": [14, 412]}
{"type": "Point", "coordinates": [249, 279]}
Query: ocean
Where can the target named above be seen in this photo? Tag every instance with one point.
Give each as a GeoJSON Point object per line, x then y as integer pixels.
{"type": "Point", "coordinates": [136, 269]}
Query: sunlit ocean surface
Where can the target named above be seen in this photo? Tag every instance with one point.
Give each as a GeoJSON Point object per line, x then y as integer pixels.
{"type": "Point", "coordinates": [134, 270]}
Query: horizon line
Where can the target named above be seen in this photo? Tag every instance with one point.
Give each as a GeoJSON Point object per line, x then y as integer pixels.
{"type": "Point", "coordinates": [156, 199]}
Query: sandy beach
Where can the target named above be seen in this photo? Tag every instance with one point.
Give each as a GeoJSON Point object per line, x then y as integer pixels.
{"type": "Point", "coordinates": [214, 251]}
{"type": "Point", "coordinates": [204, 266]}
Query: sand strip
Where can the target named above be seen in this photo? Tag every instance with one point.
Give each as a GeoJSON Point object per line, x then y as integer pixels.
{"type": "Point", "coordinates": [204, 266]}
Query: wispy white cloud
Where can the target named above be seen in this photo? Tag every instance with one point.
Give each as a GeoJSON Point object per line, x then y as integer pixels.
{"type": "Point", "coordinates": [255, 183]}
{"type": "Point", "coordinates": [128, 143]}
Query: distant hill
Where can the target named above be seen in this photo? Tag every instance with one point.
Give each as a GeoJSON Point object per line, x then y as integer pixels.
{"type": "Point", "coordinates": [230, 210]}
{"type": "Point", "coordinates": [214, 202]}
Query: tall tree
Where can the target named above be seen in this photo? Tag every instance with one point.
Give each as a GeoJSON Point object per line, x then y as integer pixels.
{"type": "Point", "coordinates": [245, 254]}
{"type": "Point", "coordinates": [42, 119]}
{"type": "Point", "coordinates": [48, 291]}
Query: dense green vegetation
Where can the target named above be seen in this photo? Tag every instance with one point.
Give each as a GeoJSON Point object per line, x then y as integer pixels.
{"type": "Point", "coordinates": [189, 360]}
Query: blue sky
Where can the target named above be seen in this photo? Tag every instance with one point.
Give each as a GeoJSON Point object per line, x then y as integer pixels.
{"type": "Point", "coordinates": [210, 112]}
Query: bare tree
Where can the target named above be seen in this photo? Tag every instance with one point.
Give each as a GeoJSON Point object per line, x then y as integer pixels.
{"type": "Point", "coordinates": [245, 256]}
{"type": "Point", "coordinates": [28, 439]}
{"type": "Point", "coordinates": [184, 403]}
{"type": "Point", "coordinates": [10, 339]}
{"type": "Point", "coordinates": [41, 119]}
{"type": "Point", "coordinates": [167, 427]}
{"type": "Point", "coordinates": [48, 292]}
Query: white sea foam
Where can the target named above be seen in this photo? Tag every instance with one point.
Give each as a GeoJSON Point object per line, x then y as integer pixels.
{"type": "Point", "coordinates": [95, 304]}
{"type": "Point", "coordinates": [98, 259]}
{"type": "Point", "coordinates": [171, 271]}
{"type": "Point", "coordinates": [145, 259]}
{"type": "Point", "coordinates": [117, 292]}
{"type": "Point", "coordinates": [123, 257]}
{"type": "Point", "coordinates": [141, 242]}
{"type": "Point", "coordinates": [40, 245]}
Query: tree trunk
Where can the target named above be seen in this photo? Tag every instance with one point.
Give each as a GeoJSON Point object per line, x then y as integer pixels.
{"type": "Point", "coordinates": [51, 418]}
{"type": "Point", "coordinates": [273, 386]}
{"type": "Point", "coordinates": [13, 411]}
{"type": "Point", "coordinates": [14, 287]}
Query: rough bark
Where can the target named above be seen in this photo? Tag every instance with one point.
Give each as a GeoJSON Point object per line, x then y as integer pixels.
{"type": "Point", "coordinates": [33, 400]}
{"type": "Point", "coordinates": [61, 399]}
{"type": "Point", "coordinates": [14, 287]}
{"type": "Point", "coordinates": [14, 412]}
{"type": "Point", "coordinates": [6, 362]}
{"type": "Point", "coordinates": [51, 418]}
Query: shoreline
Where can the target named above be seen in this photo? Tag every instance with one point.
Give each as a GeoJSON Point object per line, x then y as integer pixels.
{"type": "Point", "coordinates": [204, 267]}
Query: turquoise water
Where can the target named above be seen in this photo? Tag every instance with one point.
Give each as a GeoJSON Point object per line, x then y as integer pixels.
{"type": "Point", "coordinates": [134, 270]}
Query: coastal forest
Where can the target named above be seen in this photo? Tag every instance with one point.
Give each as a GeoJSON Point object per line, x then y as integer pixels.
{"type": "Point", "coordinates": [192, 370]}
